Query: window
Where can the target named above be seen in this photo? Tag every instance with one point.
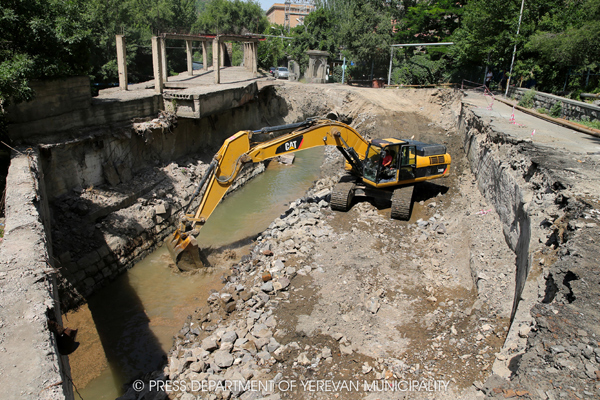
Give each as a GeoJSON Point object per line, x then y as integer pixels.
{"type": "Point", "coordinates": [371, 163]}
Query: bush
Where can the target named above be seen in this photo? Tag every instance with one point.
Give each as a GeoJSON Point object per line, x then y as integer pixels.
{"type": "Point", "coordinates": [527, 99]}
{"type": "Point", "coordinates": [590, 124]}
{"type": "Point", "coordinates": [337, 74]}
{"type": "Point", "coordinates": [556, 110]}
{"type": "Point", "coordinates": [419, 69]}
{"type": "Point", "coordinates": [542, 110]}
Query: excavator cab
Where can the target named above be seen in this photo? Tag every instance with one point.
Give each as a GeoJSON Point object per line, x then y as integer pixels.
{"type": "Point", "coordinates": [383, 161]}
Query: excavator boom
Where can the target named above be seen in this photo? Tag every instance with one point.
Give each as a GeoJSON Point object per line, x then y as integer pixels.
{"type": "Point", "coordinates": [238, 150]}
{"type": "Point", "coordinates": [382, 167]}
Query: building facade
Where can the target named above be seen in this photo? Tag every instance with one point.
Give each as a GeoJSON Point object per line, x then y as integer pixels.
{"type": "Point", "coordinates": [289, 14]}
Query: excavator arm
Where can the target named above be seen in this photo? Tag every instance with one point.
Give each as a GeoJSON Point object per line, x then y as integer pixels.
{"type": "Point", "coordinates": [238, 150]}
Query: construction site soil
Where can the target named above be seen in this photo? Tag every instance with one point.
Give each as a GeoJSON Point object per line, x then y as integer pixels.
{"type": "Point", "coordinates": [356, 305]}
{"type": "Point", "coordinates": [325, 304]}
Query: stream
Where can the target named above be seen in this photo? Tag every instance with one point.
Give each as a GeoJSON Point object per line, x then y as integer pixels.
{"type": "Point", "coordinates": [126, 329]}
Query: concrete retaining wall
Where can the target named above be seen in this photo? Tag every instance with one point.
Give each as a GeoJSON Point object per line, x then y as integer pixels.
{"type": "Point", "coordinates": [83, 162]}
{"type": "Point", "coordinates": [571, 109]}
{"type": "Point", "coordinates": [31, 366]}
{"type": "Point", "coordinates": [53, 97]}
{"type": "Point", "coordinates": [64, 108]}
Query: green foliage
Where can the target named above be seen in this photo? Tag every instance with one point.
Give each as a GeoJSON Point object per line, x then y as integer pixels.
{"type": "Point", "coordinates": [419, 69]}
{"type": "Point", "coordinates": [138, 20]}
{"type": "Point", "coordinates": [272, 51]}
{"type": "Point", "coordinates": [41, 39]}
{"type": "Point", "coordinates": [231, 16]}
{"type": "Point", "coordinates": [367, 35]}
{"type": "Point", "coordinates": [542, 110]}
{"type": "Point", "coordinates": [556, 110]}
{"type": "Point", "coordinates": [320, 31]}
{"type": "Point", "coordinates": [237, 54]}
{"type": "Point", "coordinates": [337, 74]}
{"type": "Point", "coordinates": [527, 100]}
{"type": "Point", "coordinates": [591, 124]}
{"type": "Point", "coordinates": [429, 22]}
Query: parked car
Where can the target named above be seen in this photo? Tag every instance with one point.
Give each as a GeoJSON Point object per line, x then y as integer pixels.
{"type": "Point", "coordinates": [282, 73]}
{"type": "Point", "coordinates": [272, 71]}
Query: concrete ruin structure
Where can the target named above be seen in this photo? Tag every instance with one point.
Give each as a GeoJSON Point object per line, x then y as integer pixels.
{"type": "Point", "coordinates": [159, 54]}
{"type": "Point", "coordinates": [122, 62]}
{"type": "Point", "coordinates": [317, 66]}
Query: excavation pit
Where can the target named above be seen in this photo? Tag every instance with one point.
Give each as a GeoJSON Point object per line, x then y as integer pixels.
{"type": "Point", "coordinates": [354, 295]}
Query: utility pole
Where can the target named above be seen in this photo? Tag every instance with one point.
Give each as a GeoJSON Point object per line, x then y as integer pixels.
{"type": "Point", "coordinates": [391, 58]}
{"type": "Point", "coordinates": [514, 50]}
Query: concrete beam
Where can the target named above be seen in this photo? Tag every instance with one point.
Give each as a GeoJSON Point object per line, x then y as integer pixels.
{"type": "Point", "coordinates": [122, 62]}
{"type": "Point", "coordinates": [188, 50]}
{"type": "Point", "coordinates": [163, 55]}
{"type": "Point", "coordinates": [157, 64]}
{"type": "Point", "coordinates": [204, 56]}
{"type": "Point", "coordinates": [216, 58]}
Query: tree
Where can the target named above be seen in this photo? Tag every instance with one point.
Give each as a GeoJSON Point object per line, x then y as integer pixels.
{"type": "Point", "coordinates": [138, 20]}
{"type": "Point", "coordinates": [40, 39]}
{"type": "Point", "coordinates": [368, 35]}
{"type": "Point", "coordinates": [272, 51]}
{"type": "Point", "coordinates": [567, 38]}
{"type": "Point", "coordinates": [320, 31]}
{"type": "Point", "coordinates": [231, 16]}
{"type": "Point", "coordinates": [426, 22]}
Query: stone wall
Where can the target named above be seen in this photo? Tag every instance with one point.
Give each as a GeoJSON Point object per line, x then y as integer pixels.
{"type": "Point", "coordinates": [571, 109]}
{"type": "Point", "coordinates": [31, 366]}
{"type": "Point", "coordinates": [116, 198]}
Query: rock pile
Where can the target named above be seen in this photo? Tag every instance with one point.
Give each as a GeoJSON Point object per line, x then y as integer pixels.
{"type": "Point", "coordinates": [234, 338]}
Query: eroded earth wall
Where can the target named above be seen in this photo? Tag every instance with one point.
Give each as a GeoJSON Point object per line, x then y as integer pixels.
{"type": "Point", "coordinates": [502, 188]}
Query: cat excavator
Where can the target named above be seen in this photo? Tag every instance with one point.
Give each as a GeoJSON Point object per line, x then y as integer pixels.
{"type": "Point", "coordinates": [384, 169]}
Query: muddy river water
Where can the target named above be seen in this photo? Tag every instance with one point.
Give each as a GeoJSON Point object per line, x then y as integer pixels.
{"type": "Point", "coordinates": [126, 329]}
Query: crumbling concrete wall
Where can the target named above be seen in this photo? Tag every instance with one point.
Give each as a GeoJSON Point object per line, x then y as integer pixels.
{"type": "Point", "coordinates": [30, 367]}
{"type": "Point", "coordinates": [110, 155]}
{"type": "Point", "coordinates": [64, 108]}
{"type": "Point", "coordinates": [52, 98]}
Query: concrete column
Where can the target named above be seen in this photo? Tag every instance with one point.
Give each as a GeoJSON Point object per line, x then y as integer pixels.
{"type": "Point", "coordinates": [246, 56]}
{"type": "Point", "coordinates": [163, 53]}
{"type": "Point", "coordinates": [222, 58]}
{"type": "Point", "coordinates": [188, 50]}
{"type": "Point", "coordinates": [204, 56]}
{"type": "Point", "coordinates": [122, 62]}
{"type": "Point", "coordinates": [157, 64]}
{"type": "Point", "coordinates": [216, 58]}
{"type": "Point", "coordinates": [255, 58]}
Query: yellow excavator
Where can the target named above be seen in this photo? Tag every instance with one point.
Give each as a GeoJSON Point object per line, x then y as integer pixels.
{"type": "Point", "coordinates": [384, 169]}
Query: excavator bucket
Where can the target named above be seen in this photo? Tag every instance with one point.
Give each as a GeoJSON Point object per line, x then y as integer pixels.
{"type": "Point", "coordinates": [184, 251]}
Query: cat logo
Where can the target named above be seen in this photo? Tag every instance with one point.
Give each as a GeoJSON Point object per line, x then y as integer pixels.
{"type": "Point", "coordinates": [290, 145]}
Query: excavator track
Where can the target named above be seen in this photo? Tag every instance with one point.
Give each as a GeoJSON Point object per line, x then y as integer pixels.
{"type": "Point", "coordinates": [402, 202]}
{"type": "Point", "coordinates": [342, 195]}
